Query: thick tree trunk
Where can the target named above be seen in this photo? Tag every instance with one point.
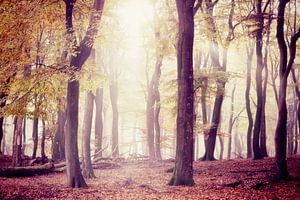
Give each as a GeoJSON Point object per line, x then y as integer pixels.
{"type": "Point", "coordinates": [113, 88]}
{"type": "Point", "coordinates": [87, 127]}
{"type": "Point", "coordinates": [250, 51]}
{"type": "Point", "coordinates": [35, 136]}
{"type": "Point", "coordinates": [183, 171]}
{"type": "Point", "coordinates": [27, 171]}
{"type": "Point", "coordinates": [74, 176]}
{"type": "Point", "coordinates": [98, 122]}
{"type": "Point", "coordinates": [258, 78]}
{"type": "Point", "coordinates": [17, 142]}
{"type": "Point", "coordinates": [221, 140]}
{"type": "Point", "coordinates": [285, 68]}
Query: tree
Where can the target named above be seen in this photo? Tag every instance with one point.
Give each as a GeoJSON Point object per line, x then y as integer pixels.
{"type": "Point", "coordinates": [87, 126]}
{"type": "Point", "coordinates": [284, 70]}
{"type": "Point", "coordinates": [260, 11]}
{"type": "Point", "coordinates": [98, 122]}
{"type": "Point", "coordinates": [250, 50]}
{"type": "Point", "coordinates": [183, 171]}
{"type": "Point", "coordinates": [58, 146]}
{"type": "Point", "coordinates": [17, 142]}
{"type": "Point", "coordinates": [74, 176]}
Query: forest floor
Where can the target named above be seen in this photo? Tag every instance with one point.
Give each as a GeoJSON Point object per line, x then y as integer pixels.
{"type": "Point", "coordinates": [228, 179]}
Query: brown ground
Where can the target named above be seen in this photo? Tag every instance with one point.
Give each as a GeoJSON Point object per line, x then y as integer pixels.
{"type": "Point", "coordinates": [145, 180]}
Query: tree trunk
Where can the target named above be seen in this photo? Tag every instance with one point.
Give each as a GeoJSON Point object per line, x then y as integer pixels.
{"type": "Point", "coordinates": [74, 176]}
{"type": "Point", "coordinates": [24, 137]}
{"type": "Point", "coordinates": [230, 125]}
{"type": "Point", "coordinates": [263, 135]}
{"type": "Point", "coordinates": [157, 127]}
{"type": "Point", "coordinates": [17, 142]}
{"type": "Point", "coordinates": [221, 140]}
{"type": "Point", "coordinates": [259, 91]}
{"type": "Point", "coordinates": [35, 136]}
{"type": "Point", "coordinates": [27, 171]}
{"type": "Point", "coordinates": [250, 51]}
{"type": "Point", "coordinates": [150, 121]}
{"type": "Point", "coordinates": [297, 128]}
{"type": "Point", "coordinates": [183, 171]}
{"type": "Point", "coordinates": [87, 127]}
{"type": "Point", "coordinates": [2, 104]}
{"type": "Point", "coordinates": [113, 88]}
{"type": "Point", "coordinates": [98, 122]}
{"type": "Point", "coordinates": [58, 146]}
{"type": "Point", "coordinates": [43, 154]}
{"type": "Point", "coordinates": [3, 144]}
{"type": "Point", "coordinates": [153, 109]}
{"type": "Point", "coordinates": [285, 68]}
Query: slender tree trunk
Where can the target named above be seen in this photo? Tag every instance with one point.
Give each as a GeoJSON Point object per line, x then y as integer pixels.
{"type": "Point", "coordinates": [24, 137]}
{"type": "Point", "coordinates": [157, 126]}
{"type": "Point", "coordinates": [2, 104]}
{"type": "Point", "coordinates": [35, 136]}
{"type": "Point", "coordinates": [230, 125]}
{"type": "Point", "coordinates": [113, 88]}
{"type": "Point", "coordinates": [183, 171]}
{"type": "Point", "coordinates": [43, 154]}
{"type": "Point", "coordinates": [296, 128]}
{"type": "Point", "coordinates": [3, 144]}
{"type": "Point", "coordinates": [58, 146]}
{"type": "Point", "coordinates": [263, 135]}
{"type": "Point", "coordinates": [87, 127]}
{"type": "Point", "coordinates": [17, 142]}
{"type": "Point", "coordinates": [150, 121]}
{"type": "Point", "coordinates": [259, 91]}
{"type": "Point", "coordinates": [99, 122]}
{"type": "Point", "coordinates": [250, 51]}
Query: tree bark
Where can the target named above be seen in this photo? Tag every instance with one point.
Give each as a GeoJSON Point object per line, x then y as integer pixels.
{"type": "Point", "coordinates": [2, 104]}
{"type": "Point", "coordinates": [35, 136]}
{"type": "Point", "coordinates": [259, 91]}
{"type": "Point", "coordinates": [74, 176]}
{"type": "Point", "coordinates": [231, 122]}
{"type": "Point", "coordinates": [113, 88]}
{"type": "Point", "coordinates": [87, 127]}
{"type": "Point", "coordinates": [285, 68]}
{"type": "Point", "coordinates": [58, 146]}
{"type": "Point", "coordinates": [250, 51]}
{"type": "Point", "coordinates": [43, 154]}
{"type": "Point", "coordinates": [153, 109]}
{"type": "Point", "coordinates": [183, 171]}
{"type": "Point", "coordinates": [17, 142]}
{"type": "Point", "coordinates": [157, 127]}
{"type": "Point", "coordinates": [98, 122]}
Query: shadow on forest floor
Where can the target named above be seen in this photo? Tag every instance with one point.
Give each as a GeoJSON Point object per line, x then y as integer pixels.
{"type": "Point", "coordinates": [229, 179]}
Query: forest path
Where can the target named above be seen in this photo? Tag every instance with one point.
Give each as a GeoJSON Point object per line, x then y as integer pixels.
{"type": "Point", "coordinates": [232, 179]}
